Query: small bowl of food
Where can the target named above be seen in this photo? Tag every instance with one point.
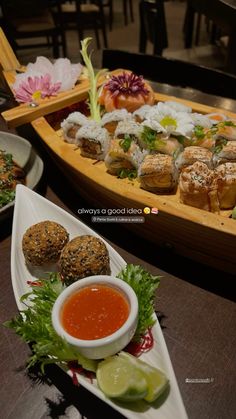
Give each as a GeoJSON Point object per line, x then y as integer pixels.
{"type": "Point", "coordinates": [97, 315]}
{"type": "Point", "coordinates": [19, 164]}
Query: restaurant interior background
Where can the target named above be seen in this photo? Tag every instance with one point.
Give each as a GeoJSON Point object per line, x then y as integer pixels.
{"type": "Point", "coordinates": [126, 37]}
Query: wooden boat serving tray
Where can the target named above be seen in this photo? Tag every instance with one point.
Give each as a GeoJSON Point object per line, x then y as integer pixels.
{"type": "Point", "coordinates": [200, 235]}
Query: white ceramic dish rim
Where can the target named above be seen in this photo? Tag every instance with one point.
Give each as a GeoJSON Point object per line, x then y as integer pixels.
{"type": "Point", "coordinates": [31, 208]}
{"type": "Point", "coordinates": [82, 283]}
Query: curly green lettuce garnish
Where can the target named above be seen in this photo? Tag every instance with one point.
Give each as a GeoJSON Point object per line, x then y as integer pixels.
{"type": "Point", "coordinates": [126, 142]}
{"type": "Point", "coordinates": [94, 92]}
{"type": "Point", "coordinates": [34, 325]}
{"type": "Point", "coordinates": [144, 285]}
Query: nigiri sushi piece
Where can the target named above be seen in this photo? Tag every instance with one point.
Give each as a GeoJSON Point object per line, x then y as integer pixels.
{"type": "Point", "coordinates": [192, 154]}
{"type": "Point", "coordinates": [93, 141]}
{"type": "Point", "coordinates": [224, 151]}
{"type": "Point", "coordinates": [198, 187]}
{"type": "Point", "coordinates": [128, 91]}
{"type": "Point", "coordinates": [157, 173]}
{"type": "Point", "coordinates": [110, 120]}
{"type": "Point", "coordinates": [71, 124]}
{"type": "Point", "coordinates": [226, 185]}
{"type": "Point", "coordinates": [226, 130]}
{"type": "Point", "coordinates": [124, 155]}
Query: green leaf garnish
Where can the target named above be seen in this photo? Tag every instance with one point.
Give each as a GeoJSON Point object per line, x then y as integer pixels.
{"type": "Point", "coordinates": [228, 124]}
{"type": "Point", "coordinates": [234, 213]}
{"type": "Point", "coordinates": [94, 92]}
{"type": "Point", "coordinates": [127, 173]}
{"type": "Point", "coordinates": [221, 142]}
{"type": "Point", "coordinates": [149, 137]}
{"type": "Point", "coordinates": [144, 285]}
{"type": "Point", "coordinates": [6, 196]}
{"type": "Point", "coordinates": [125, 143]}
{"type": "Point", "coordinates": [199, 132]}
{"type": "Point", "coordinates": [34, 325]}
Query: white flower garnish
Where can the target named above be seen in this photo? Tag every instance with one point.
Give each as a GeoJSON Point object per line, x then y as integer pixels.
{"type": "Point", "coordinates": [175, 123]}
{"type": "Point", "coordinates": [178, 107]}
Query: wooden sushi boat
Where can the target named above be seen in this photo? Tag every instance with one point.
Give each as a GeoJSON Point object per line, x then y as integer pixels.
{"type": "Point", "coordinates": [200, 235]}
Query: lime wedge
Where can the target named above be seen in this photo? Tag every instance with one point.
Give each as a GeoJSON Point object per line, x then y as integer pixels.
{"type": "Point", "coordinates": [119, 379]}
{"type": "Point", "coordinates": [156, 380]}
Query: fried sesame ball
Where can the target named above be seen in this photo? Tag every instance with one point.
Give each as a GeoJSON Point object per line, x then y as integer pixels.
{"type": "Point", "coordinates": [83, 256]}
{"type": "Point", "coordinates": [43, 242]}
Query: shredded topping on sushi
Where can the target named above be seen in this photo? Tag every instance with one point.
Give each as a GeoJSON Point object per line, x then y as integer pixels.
{"type": "Point", "coordinates": [128, 84]}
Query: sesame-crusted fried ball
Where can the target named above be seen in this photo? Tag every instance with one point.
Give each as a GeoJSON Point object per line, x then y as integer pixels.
{"type": "Point", "coordinates": [43, 242]}
{"type": "Point", "coordinates": [83, 256]}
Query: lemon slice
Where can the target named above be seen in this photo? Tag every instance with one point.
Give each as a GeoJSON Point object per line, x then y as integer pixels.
{"type": "Point", "coordinates": [157, 381]}
{"type": "Point", "coordinates": [118, 378]}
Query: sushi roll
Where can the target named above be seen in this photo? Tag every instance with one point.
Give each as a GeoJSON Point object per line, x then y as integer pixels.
{"type": "Point", "coordinates": [93, 141]}
{"type": "Point", "coordinates": [201, 120]}
{"type": "Point", "coordinates": [111, 119]}
{"type": "Point", "coordinates": [198, 187]}
{"type": "Point", "coordinates": [158, 173]}
{"type": "Point", "coordinates": [226, 129]}
{"type": "Point", "coordinates": [224, 151]}
{"type": "Point", "coordinates": [128, 127]}
{"type": "Point", "coordinates": [124, 157]}
{"type": "Point", "coordinates": [192, 154]}
{"type": "Point", "coordinates": [226, 185]}
{"type": "Point", "coordinates": [203, 137]}
{"type": "Point", "coordinates": [142, 113]}
{"type": "Point", "coordinates": [71, 124]}
{"type": "Point", "coordinates": [154, 138]}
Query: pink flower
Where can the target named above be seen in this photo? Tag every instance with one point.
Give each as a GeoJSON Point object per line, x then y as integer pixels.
{"type": "Point", "coordinates": [36, 87]}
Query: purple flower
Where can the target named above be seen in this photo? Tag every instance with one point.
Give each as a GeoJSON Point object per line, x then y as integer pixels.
{"type": "Point", "coordinates": [126, 83]}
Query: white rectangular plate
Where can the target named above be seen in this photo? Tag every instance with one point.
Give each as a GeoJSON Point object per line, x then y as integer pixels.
{"type": "Point", "coordinates": [31, 208]}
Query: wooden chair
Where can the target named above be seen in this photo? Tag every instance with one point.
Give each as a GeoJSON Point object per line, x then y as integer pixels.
{"type": "Point", "coordinates": [24, 20]}
{"type": "Point", "coordinates": [84, 15]}
{"type": "Point", "coordinates": [127, 7]}
{"type": "Point", "coordinates": [172, 72]}
{"type": "Point", "coordinates": [152, 25]}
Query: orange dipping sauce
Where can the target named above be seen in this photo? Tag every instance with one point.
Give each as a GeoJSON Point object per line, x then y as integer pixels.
{"type": "Point", "coordinates": [94, 312]}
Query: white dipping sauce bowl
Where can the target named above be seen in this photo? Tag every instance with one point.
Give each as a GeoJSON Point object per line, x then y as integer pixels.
{"type": "Point", "coordinates": [109, 345]}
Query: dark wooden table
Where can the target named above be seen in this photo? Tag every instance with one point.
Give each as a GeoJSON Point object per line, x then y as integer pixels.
{"type": "Point", "coordinates": [223, 14]}
{"type": "Point", "coordinates": [199, 319]}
